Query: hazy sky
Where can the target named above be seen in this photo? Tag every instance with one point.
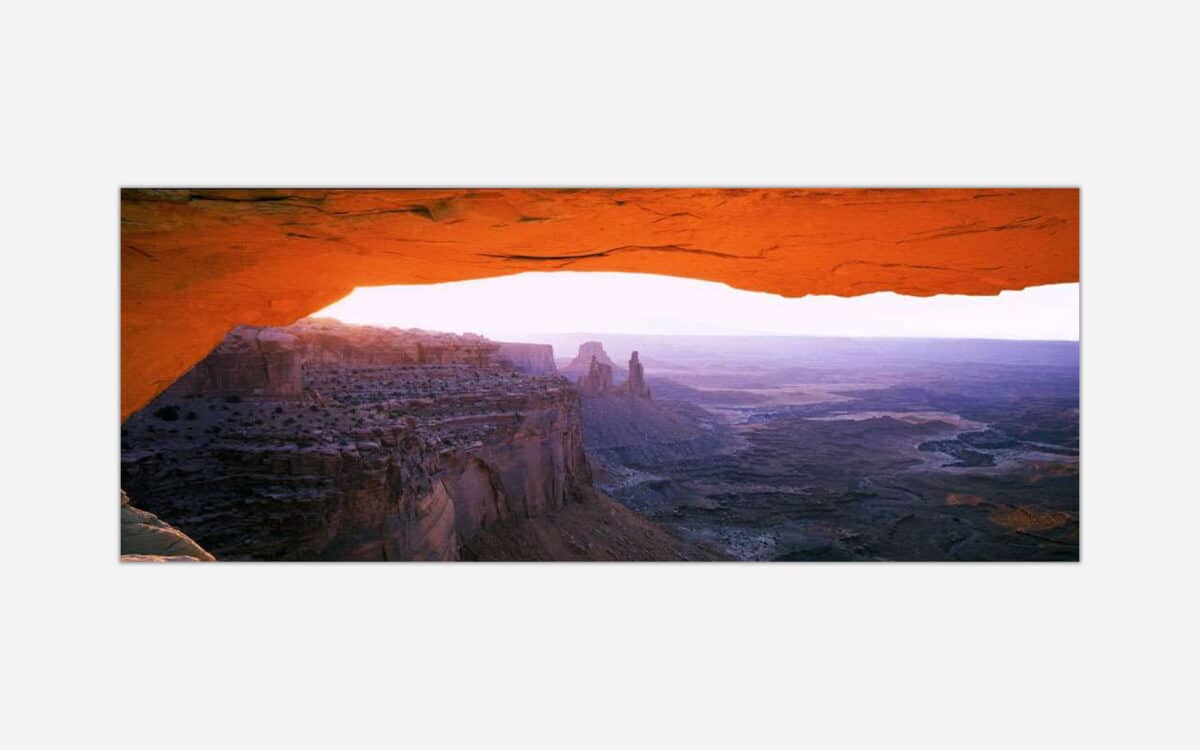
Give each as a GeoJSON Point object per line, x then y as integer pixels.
{"type": "Point", "coordinates": [570, 302]}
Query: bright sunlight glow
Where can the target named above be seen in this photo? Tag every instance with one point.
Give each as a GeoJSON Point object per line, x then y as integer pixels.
{"type": "Point", "coordinates": [573, 302]}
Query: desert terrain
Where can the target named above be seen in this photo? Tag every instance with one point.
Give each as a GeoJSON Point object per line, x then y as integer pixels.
{"type": "Point", "coordinates": [779, 448]}
{"type": "Point", "coordinates": [327, 441]}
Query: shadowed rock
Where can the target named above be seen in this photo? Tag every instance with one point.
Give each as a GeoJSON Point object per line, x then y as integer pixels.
{"type": "Point", "coordinates": [407, 446]}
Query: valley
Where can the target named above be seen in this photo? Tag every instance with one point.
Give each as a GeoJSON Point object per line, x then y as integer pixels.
{"type": "Point", "coordinates": [819, 449]}
{"type": "Point", "coordinates": [325, 441]}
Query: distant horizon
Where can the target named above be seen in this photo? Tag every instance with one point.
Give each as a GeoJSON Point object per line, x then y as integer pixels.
{"type": "Point", "coordinates": [517, 337]}
{"type": "Point", "coordinates": [777, 336]}
{"type": "Point", "coordinates": [579, 303]}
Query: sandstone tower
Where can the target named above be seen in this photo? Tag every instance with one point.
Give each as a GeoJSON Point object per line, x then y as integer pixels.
{"type": "Point", "coordinates": [598, 381]}
{"type": "Point", "coordinates": [636, 385]}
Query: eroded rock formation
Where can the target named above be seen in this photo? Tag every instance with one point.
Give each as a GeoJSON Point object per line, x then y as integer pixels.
{"type": "Point", "coordinates": [589, 351]}
{"type": "Point", "coordinates": [636, 384]}
{"type": "Point", "coordinates": [598, 381]}
{"type": "Point", "coordinates": [597, 378]}
{"type": "Point", "coordinates": [419, 443]}
{"type": "Point", "coordinates": [147, 538]}
{"type": "Point", "coordinates": [533, 359]}
{"type": "Point", "coordinates": [251, 362]}
{"type": "Point", "coordinates": [197, 263]}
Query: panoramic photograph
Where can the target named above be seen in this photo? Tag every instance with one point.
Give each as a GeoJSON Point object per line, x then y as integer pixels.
{"type": "Point", "coordinates": [675, 375]}
{"type": "Point", "coordinates": [614, 376]}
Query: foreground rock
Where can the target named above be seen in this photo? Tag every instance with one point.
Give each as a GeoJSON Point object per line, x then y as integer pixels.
{"type": "Point", "coordinates": [147, 538]}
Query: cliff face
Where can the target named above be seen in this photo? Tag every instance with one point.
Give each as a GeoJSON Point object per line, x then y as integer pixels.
{"type": "Point", "coordinates": [409, 461]}
{"type": "Point", "coordinates": [147, 538]}
{"type": "Point", "coordinates": [598, 381]}
{"type": "Point", "coordinates": [636, 384]}
{"type": "Point", "coordinates": [267, 361]}
{"type": "Point", "coordinates": [249, 361]}
{"type": "Point", "coordinates": [588, 351]}
{"type": "Point", "coordinates": [533, 359]}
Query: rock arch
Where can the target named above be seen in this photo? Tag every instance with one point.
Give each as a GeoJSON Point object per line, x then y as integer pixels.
{"type": "Point", "coordinates": [197, 262]}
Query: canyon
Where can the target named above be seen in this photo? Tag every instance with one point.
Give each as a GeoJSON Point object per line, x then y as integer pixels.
{"type": "Point", "coordinates": [324, 441]}
{"type": "Point", "coordinates": [828, 449]}
{"type": "Point", "coordinates": [218, 400]}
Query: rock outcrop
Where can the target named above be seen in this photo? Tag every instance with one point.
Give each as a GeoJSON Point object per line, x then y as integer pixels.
{"type": "Point", "coordinates": [266, 362]}
{"type": "Point", "coordinates": [588, 351]}
{"type": "Point", "coordinates": [147, 538]}
{"type": "Point", "coordinates": [411, 459]}
{"type": "Point", "coordinates": [636, 384]}
{"type": "Point", "coordinates": [597, 378]}
{"type": "Point", "coordinates": [532, 359]}
{"type": "Point", "coordinates": [598, 381]}
{"type": "Point", "coordinates": [331, 341]}
{"type": "Point", "coordinates": [249, 361]}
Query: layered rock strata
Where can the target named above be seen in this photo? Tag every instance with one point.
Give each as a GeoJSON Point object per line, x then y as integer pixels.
{"type": "Point", "coordinates": [588, 351]}
{"type": "Point", "coordinates": [636, 384]}
{"type": "Point", "coordinates": [147, 538]}
{"type": "Point", "coordinates": [384, 457]}
{"type": "Point", "coordinates": [533, 359]}
{"type": "Point", "coordinates": [598, 381]}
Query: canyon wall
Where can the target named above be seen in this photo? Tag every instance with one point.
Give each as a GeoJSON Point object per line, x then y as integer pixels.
{"type": "Point", "coordinates": [598, 381]}
{"type": "Point", "coordinates": [534, 359]}
{"type": "Point", "coordinates": [410, 460]}
{"type": "Point", "coordinates": [249, 361]}
{"type": "Point", "coordinates": [267, 362]}
{"type": "Point", "coordinates": [195, 263]}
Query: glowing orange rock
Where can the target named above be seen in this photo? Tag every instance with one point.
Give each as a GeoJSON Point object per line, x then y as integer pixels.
{"type": "Point", "coordinates": [195, 263]}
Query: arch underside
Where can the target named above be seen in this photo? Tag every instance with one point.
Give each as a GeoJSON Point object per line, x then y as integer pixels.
{"type": "Point", "coordinates": [197, 262]}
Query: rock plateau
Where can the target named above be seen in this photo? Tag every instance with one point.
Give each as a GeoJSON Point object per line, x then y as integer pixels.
{"type": "Point", "coordinates": [322, 441]}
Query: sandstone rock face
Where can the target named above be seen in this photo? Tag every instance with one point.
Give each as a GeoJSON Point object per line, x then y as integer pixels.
{"type": "Point", "coordinates": [147, 538]}
{"type": "Point", "coordinates": [195, 263]}
{"type": "Point", "coordinates": [249, 361]}
{"type": "Point", "coordinates": [636, 385]}
{"type": "Point", "coordinates": [589, 351]}
{"type": "Point", "coordinates": [331, 341]}
{"type": "Point", "coordinates": [597, 378]}
{"type": "Point", "coordinates": [592, 528]}
{"type": "Point", "coordinates": [266, 362]}
{"type": "Point", "coordinates": [598, 381]}
{"type": "Point", "coordinates": [408, 455]}
{"type": "Point", "coordinates": [532, 359]}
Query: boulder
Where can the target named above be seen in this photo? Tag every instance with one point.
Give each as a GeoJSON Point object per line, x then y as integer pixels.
{"type": "Point", "coordinates": [146, 537]}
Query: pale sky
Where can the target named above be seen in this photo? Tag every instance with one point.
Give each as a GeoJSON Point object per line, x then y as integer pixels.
{"type": "Point", "coordinates": [573, 302]}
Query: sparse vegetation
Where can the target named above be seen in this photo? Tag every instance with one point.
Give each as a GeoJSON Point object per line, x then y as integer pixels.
{"type": "Point", "coordinates": [168, 413]}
